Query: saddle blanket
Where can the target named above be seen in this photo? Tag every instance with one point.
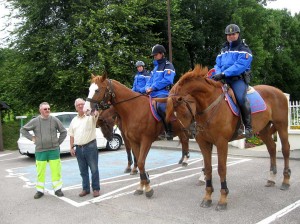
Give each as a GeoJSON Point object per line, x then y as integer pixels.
{"type": "Point", "coordinates": [154, 110]}
{"type": "Point", "coordinates": [257, 103]}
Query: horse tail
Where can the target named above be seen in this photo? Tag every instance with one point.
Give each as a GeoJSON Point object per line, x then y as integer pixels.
{"type": "Point", "coordinates": [169, 109]}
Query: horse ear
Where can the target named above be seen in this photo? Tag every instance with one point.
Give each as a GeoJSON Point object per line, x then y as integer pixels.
{"type": "Point", "coordinates": [92, 76]}
{"type": "Point", "coordinates": [104, 76]}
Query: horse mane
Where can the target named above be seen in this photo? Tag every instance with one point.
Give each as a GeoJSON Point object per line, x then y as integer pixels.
{"type": "Point", "coordinates": [198, 73]}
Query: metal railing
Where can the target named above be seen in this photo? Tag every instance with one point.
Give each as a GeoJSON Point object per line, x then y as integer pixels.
{"type": "Point", "coordinates": [294, 117]}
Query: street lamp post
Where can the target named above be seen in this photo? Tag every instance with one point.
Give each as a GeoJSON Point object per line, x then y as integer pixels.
{"type": "Point", "coordinates": [169, 31]}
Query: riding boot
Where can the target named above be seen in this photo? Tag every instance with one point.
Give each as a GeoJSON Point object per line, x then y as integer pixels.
{"type": "Point", "coordinates": [246, 116]}
{"type": "Point", "coordinates": [169, 132]}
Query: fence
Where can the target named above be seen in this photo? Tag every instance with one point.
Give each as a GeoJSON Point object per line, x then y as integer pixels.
{"type": "Point", "coordinates": [294, 114]}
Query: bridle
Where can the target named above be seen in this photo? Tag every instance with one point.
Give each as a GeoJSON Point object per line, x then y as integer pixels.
{"type": "Point", "coordinates": [108, 98]}
{"type": "Point", "coordinates": [197, 127]}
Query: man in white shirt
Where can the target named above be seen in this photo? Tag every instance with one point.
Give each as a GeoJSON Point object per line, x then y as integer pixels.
{"type": "Point", "coordinates": [82, 132]}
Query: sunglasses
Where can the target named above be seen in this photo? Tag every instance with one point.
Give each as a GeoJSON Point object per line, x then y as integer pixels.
{"type": "Point", "coordinates": [46, 109]}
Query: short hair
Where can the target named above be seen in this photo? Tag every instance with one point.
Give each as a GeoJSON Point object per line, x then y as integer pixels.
{"type": "Point", "coordinates": [44, 103]}
{"type": "Point", "coordinates": [78, 99]}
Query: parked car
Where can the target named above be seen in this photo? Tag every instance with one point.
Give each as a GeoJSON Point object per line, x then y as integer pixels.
{"type": "Point", "coordinates": [27, 147]}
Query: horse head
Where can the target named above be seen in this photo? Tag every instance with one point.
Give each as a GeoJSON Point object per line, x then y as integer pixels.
{"type": "Point", "coordinates": [183, 108]}
{"type": "Point", "coordinates": [100, 93]}
{"type": "Point", "coordinates": [106, 121]}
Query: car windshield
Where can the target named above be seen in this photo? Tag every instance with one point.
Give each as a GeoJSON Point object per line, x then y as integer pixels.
{"type": "Point", "coordinates": [66, 119]}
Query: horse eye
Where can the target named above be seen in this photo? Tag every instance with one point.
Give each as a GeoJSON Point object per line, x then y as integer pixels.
{"type": "Point", "coordinates": [97, 90]}
{"type": "Point", "coordinates": [179, 99]}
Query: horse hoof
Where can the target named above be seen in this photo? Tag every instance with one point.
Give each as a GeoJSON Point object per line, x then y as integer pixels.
{"type": "Point", "coordinates": [180, 161]}
{"type": "Point", "coordinates": [270, 183]}
{"type": "Point", "coordinates": [127, 170]}
{"type": "Point", "coordinates": [138, 192]}
{"type": "Point", "coordinates": [206, 203]}
{"type": "Point", "coordinates": [133, 172]}
{"type": "Point", "coordinates": [200, 183]}
{"type": "Point", "coordinates": [184, 164]}
{"type": "Point", "coordinates": [149, 193]}
{"type": "Point", "coordinates": [221, 207]}
{"type": "Point", "coordinates": [284, 186]}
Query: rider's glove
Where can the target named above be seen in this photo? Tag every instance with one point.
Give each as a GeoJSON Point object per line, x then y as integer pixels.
{"type": "Point", "coordinates": [218, 77]}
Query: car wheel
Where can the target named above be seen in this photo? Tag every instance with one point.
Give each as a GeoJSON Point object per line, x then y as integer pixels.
{"type": "Point", "coordinates": [30, 155]}
{"type": "Point", "coordinates": [115, 143]}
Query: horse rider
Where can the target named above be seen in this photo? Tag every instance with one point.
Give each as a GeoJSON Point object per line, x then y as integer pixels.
{"type": "Point", "coordinates": [233, 64]}
{"type": "Point", "coordinates": [141, 78]}
{"type": "Point", "coordinates": [160, 82]}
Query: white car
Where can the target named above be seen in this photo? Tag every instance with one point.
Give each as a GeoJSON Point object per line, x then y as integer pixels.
{"type": "Point", "coordinates": [27, 147]}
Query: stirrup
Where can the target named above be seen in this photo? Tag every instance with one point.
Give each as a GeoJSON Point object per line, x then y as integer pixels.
{"type": "Point", "coordinates": [248, 133]}
{"type": "Point", "coordinates": [169, 136]}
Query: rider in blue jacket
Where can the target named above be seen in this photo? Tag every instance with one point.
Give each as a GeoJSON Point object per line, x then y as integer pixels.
{"type": "Point", "coordinates": [141, 78]}
{"type": "Point", "coordinates": [233, 64]}
{"type": "Point", "coordinates": [160, 82]}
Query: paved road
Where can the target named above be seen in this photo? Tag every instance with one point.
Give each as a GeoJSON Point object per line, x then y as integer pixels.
{"type": "Point", "coordinates": [176, 196]}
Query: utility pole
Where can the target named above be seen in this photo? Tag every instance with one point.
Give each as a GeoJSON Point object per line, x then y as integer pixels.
{"type": "Point", "coordinates": [169, 31]}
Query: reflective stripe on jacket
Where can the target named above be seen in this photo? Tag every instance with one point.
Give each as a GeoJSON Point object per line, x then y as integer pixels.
{"type": "Point", "coordinates": [234, 59]}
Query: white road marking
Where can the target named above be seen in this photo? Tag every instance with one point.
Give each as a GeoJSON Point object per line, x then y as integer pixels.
{"type": "Point", "coordinates": [281, 213]}
{"type": "Point", "coordinates": [6, 154]}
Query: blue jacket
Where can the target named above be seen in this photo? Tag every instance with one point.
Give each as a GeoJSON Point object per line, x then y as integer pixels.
{"type": "Point", "coordinates": [140, 80]}
{"type": "Point", "coordinates": [161, 78]}
{"type": "Point", "coordinates": [234, 59]}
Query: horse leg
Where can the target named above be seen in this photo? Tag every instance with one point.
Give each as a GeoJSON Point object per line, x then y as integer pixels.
{"type": "Point", "coordinates": [134, 170]}
{"type": "Point", "coordinates": [201, 180]}
{"type": "Point", "coordinates": [266, 136]}
{"type": "Point", "coordinates": [129, 158]}
{"type": "Point", "coordinates": [206, 149]}
{"type": "Point", "coordinates": [144, 177]}
{"type": "Point", "coordinates": [185, 151]}
{"type": "Point", "coordinates": [222, 149]}
{"type": "Point", "coordinates": [283, 134]}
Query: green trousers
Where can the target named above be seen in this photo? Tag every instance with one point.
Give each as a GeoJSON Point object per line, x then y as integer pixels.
{"type": "Point", "coordinates": [41, 159]}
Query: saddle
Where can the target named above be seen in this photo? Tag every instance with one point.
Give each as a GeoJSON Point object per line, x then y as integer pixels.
{"type": "Point", "coordinates": [257, 105]}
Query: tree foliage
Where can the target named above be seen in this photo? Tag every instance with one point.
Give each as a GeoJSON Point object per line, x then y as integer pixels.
{"type": "Point", "coordinates": [61, 42]}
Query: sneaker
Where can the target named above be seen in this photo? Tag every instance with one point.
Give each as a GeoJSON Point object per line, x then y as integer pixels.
{"type": "Point", "coordinates": [38, 195]}
{"type": "Point", "coordinates": [59, 193]}
{"type": "Point", "coordinates": [83, 193]}
{"type": "Point", "coordinates": [96, 193]}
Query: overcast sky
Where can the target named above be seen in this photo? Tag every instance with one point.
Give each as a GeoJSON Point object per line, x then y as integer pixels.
{"type": "Point", "coordinates": [292, 5]}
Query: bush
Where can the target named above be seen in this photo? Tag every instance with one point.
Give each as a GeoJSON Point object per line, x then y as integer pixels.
{"type": "Point", "coordinates": [11, 133]}
{"type": "Point", "coordinates": [254, 141]}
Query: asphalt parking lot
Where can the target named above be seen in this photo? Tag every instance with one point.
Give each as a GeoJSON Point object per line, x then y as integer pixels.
{"type": "Point", "coordinates": [176, 198]}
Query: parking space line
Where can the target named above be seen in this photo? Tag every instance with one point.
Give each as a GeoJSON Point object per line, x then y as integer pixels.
{"type": "Point", "coordinates": [111, 195]}
{"type": "Point", "coordinates": [280, 213]}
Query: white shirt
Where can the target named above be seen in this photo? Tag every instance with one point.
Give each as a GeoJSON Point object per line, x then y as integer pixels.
{"type": "Point", "coordinates": [83, 129]}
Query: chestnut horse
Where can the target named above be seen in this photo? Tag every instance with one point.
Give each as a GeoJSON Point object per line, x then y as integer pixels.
{"type": "Point", "coordinates": [106, 121]}
{"type": "Point", "coordinates": [216, 125]}
{"type": "Point", "coordinates": [138, 124]}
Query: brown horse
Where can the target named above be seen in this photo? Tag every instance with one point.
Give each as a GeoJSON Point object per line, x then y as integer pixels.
{"type": "Point", "coordinates": [138, 124]}
{"type": "Point", "coordinates": [106, 121]}
{"type": "Point", "coordinates": [216, 125]}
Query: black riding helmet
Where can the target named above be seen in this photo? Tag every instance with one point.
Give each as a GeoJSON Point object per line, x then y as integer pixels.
{"type": "Point", "coordinates": [158, 49]}
{"type": "Point", "coordinates": [232, 28]}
